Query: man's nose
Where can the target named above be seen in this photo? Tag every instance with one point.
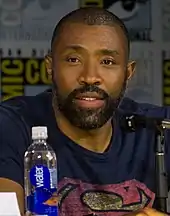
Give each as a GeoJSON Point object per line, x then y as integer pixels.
{"type": "Point", "coordinates": [90, 75]}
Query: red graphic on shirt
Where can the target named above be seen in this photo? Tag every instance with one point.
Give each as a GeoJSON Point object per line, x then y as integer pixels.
{"type": "Point", "coordinates": [77, 198]}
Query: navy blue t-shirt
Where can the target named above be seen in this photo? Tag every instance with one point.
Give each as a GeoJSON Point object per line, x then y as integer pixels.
{"type": "Point", "coordinates": [117, 181]}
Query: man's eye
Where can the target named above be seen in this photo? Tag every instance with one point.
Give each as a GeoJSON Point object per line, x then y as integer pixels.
{"type": "Point", "coordinates": [73, 60]}
{"type": "Point", "coordinates": [108, 61]}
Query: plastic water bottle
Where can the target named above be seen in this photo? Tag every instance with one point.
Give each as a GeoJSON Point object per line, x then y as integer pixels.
{"type": "Point", "coordinates": [40, 175]}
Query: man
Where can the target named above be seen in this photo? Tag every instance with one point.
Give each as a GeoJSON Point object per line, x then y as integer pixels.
{"type": "Point", "coordinates": [102, 168]}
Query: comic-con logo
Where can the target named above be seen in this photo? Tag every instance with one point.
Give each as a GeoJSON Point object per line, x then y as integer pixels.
{"type": "Point", "coordinates": [131, 12]}
{"type": "Point", "coordinates": [22, 76]}
{"type": "Point", "coordinates": [166, 77]}
{"type": "Point", "coordinates": [45, 14]}
{"type": "Point", "coordinates": [125, 9]}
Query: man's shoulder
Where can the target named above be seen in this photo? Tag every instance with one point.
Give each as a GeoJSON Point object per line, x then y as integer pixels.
{"type": "Point", "coordinates": [129, 106]}
{"type": "Point", "coordinates": [26, 108]}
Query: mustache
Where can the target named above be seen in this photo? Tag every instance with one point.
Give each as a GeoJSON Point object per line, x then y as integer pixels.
{"type": "Point", "coordinates": [88, 88]}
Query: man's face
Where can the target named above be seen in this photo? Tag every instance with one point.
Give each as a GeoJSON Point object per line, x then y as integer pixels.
{"type": "Point", "coordinates": [89, 72]}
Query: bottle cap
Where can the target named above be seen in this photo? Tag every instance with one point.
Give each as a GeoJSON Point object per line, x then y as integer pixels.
{"type": "Point", "coordinates": [39, 132]}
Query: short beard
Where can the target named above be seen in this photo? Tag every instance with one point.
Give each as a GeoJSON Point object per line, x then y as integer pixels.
{"type": "Point", "coordinates": [87, 118]}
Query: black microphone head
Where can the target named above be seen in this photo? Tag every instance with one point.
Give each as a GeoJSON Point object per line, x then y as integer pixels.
{"type": "Point", "coordinates": [127, 123]}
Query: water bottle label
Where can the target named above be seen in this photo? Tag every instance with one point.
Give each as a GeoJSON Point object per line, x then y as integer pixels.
{"type": "Point", "coordinates": [40, 177]}
{"type": "Point", "coordinates": [43, 198]}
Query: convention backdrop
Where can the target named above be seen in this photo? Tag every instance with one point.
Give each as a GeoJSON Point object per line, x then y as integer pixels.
{"type": "Point", "coordinates": [25, 32]}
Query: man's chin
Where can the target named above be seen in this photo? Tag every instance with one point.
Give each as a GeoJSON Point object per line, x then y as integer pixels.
{"type": "Point", "coordinates": [88, 120]}
{"type": "Point", "coordinates": [88, 125]}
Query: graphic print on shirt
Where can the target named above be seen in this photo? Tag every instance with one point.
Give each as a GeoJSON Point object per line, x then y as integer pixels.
{"type": "Point", "coordinates": [77, 198]}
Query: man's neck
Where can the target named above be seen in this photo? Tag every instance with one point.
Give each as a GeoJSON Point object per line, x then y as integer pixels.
{"type": "Point", "coordinates": [96, 140]}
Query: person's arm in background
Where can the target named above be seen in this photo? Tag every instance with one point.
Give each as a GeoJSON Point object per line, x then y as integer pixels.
{"type": "Point", "coordinates": [12, 147]}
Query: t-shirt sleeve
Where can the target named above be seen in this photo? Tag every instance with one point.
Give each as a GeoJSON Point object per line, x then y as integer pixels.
{"type": "Point", "coordinates": [12, 148]}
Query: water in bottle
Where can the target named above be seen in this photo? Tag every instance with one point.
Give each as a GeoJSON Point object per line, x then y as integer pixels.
{"type": "Point", "coordinates": [40, 177]}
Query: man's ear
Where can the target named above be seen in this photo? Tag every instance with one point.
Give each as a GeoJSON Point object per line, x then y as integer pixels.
{"type": "Point", "coordinates": [131, 68]}
{"type": "Point", "coordinates": [48, 65]}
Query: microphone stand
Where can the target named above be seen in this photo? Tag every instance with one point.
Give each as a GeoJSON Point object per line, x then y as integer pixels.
{"type": "Point", "coordinates": [161, 175]}
{"type": "Point", "coordinates": [132, 123]}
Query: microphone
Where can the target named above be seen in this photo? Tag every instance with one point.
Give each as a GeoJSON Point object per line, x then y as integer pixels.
{"type": "Point", "coordinates": [131, 122]}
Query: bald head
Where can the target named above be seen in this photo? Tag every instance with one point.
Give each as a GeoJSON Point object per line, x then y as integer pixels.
{"type": "Point", "coordinates": [90, 16]}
